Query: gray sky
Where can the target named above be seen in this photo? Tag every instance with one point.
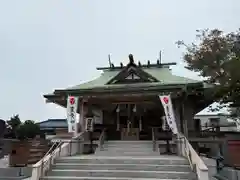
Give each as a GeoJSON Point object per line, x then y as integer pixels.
{"type": "Point", "coordinates": [49, 44]}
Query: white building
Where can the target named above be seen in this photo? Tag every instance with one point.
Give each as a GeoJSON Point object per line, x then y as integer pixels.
{"type": "Point", "coordinates": [220, 118]}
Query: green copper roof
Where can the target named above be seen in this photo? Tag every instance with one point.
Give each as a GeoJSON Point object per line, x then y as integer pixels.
{"type": "Point", "coordinates": [164, 76]}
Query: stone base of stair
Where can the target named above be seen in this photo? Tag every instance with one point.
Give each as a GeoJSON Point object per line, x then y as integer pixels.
{"type": "Point", "coordinates": [122, 161]}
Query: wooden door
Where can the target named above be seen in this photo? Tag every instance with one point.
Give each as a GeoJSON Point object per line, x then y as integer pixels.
{"type": "Point", "coordinates": [131, 134]}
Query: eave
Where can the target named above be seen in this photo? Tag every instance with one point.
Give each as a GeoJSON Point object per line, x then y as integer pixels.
{"type": "Point", "coordinates": [60, 96]}
{"type": "Point", "coordinates": [131, 88]}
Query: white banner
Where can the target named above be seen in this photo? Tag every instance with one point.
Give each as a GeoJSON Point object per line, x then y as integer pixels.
{"type": "Point", "coordinates": [72, 104]}
{"type": "Point", "coordinates": [168, 109]}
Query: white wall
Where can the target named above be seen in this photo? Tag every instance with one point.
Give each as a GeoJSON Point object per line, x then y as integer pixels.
{"type": "Point", "coordinates": [223, 120]}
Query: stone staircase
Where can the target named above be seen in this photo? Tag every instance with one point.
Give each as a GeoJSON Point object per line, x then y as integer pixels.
{"type": "Point", "coordinates": [122, 160]}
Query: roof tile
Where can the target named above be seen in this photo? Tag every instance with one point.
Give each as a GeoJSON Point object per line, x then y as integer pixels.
{"type": "Point", "coordinates": [164, 76]}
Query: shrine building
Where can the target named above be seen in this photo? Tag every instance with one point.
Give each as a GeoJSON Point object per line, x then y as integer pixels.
{"type": "Point", "coordinates": [126, 97]}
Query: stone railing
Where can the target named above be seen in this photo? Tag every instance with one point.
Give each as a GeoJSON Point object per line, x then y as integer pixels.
{"type": "Point", "coordinates": [65, 148]}
{"type": "Point", "coordinates": [197, 165]}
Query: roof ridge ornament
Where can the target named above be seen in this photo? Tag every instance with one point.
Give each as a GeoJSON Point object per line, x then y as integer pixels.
{"type": "Point", "coordinates": [131, 61]}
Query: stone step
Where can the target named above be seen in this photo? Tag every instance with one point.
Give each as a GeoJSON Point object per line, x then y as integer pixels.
{"type": "Point", "coordinates": [12, 178]}
{"type": "Point", "coordinates": [99, 178]}
{"type": "Point", "coordinates": [99, 166]}
{"type": "Point", "coordinates": [139, 142]}
{"type": "Point", "coordinates": [129, 142]}
{"type": "Point", "coordinates": [121, 173]}
{"type": "Point", "coordinates": [109, 153]}
{"type": "Point", "coordinates": [158, 160]}
{"type": "Point", "coordinates": [128, 149]}
{"type": "Point", "coordinates": [127, 146]}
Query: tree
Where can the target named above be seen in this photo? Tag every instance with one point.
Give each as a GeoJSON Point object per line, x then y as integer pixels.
{"type": "Point", "coordinates": [13, 124]}
{"type": "Point", "coordinates": [28, 130]}
{"type": "Point", "coordinates": [216, 56]}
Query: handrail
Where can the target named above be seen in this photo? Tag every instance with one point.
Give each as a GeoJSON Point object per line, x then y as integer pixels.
{"type": "Point", "coordinates": [51, 148]}
{"type": "Point", "coordinates": [207, 129]}
{"type": "Point", "coordinates": [102, 139]}
{"type": "Point", "coordinates": [64, 148]}
{"type": "Point", "coordinates": [49, 152]}
{"type": "Point", "coordinates": [154, 138]}
{"type": "Point", "coordinates": [195, 161]}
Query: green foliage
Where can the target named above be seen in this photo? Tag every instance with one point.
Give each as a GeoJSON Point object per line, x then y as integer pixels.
{"type": "Point", "coordinates": [28, 129]}
{"type": "Point", "coordinates": [13, 124]}
{"type": "Point", "coordinates": [215, 55]}
{"type": "Point", "coordinates": [20, 130]}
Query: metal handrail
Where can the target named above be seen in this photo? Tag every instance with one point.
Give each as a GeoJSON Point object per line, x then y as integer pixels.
{"type": "Point", "coordinates": [154, 138]}
{"type": "Point", "coordinates": [53, 152]}
{"type": "Point", "coordinates": [51, 148]}
{"type": "Point", "coordinates": [50, 151]}
{"type": "Point", "coordinates": [102, 139]}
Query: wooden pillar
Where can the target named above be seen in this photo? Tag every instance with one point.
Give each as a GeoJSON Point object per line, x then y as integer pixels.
{"type": "Point", "coordinates": [184, 120]}
{"type": "Point", "coordinates": [118, 118]}
{"type": "Point", "coordinates": [140, 123]}
{"type": "Point", "coordinates": [129, 118]}
{"type": "Point", "coordinates": [81, 117]}
{"type": "Point", "coordinates": [83, 111]}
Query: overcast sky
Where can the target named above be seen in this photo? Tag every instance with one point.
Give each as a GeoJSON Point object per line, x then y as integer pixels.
{"type": "Point", "coordinates": [49, 44]}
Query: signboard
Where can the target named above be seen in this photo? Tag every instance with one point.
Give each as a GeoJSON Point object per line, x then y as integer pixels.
{"type": "Point", "coordinates": [89, 124]}
{"type": "Point", "coordinates": [71, 113]}
{"type": "Point", "coordinates": [168, 109]}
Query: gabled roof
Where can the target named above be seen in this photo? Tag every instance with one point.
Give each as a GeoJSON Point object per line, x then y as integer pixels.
{"type": "Point", "coordinates": [53, 123]}
{"type": "Point", "coordinates": [132, 74]}
{"type": "Point", "coordinates": [224, 111]}
{"type": "Point", "coordinates": [163, 75]}
{"type": "Point", "coordinates": [130, 78]}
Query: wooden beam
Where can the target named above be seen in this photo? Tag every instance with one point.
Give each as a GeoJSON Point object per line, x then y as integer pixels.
{"type": "Point", "coordinates": [144, 66]}
{"type": "Point", "coordinates": [207, 140]}
{"type": "Point", "coordinates": [134, 102]}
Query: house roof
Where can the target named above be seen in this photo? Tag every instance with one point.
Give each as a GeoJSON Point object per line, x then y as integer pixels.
{"type": "Point", "coordinates": [224, 111]}
{"type": "Point", "coordinates": [53, 123]}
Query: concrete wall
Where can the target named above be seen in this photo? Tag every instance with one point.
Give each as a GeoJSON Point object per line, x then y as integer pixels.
{"type": "Point", "coordinates": [211, 164]}
{"type": "Point", "coordinates": [15, 172]}
{"type": "Point", "coordinates": [228, 172]}
{"type": "Point", "coordinates": [205, 121]}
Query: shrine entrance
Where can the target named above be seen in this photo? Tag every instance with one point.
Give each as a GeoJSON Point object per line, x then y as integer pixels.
{"type": "Point", "coordinates": [128, 122]}
{"type": "Point", "coordinates": [135, 121]}
{"type": "Point", "coordinates": [130, 134]}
